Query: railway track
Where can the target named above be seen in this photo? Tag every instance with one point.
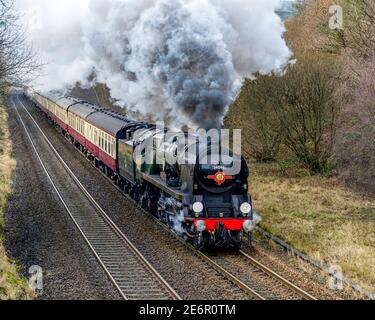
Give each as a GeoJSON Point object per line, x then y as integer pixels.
{"type": "Point", "coordinates": [267, 283]}
{"type": "Point", "coordinates": [300, 292]}
{"type": "Point", "coordinates": [259, 281]}
{"type": "Point", "coordinates": [128, 270]}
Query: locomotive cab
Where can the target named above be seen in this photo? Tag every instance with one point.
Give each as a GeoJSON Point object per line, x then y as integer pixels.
{"type": "Point", "coordinates": [222, 208]}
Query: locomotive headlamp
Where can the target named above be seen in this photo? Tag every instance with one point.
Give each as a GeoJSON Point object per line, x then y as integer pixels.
{"type": "Point", "coordinates": [248, 226]}
{"type": "Point", "coordinates": [245, 208]}
{"type": "Point", "coordinates": [201, 226]}
{"type": "Point", "coordinates": [198, 207]}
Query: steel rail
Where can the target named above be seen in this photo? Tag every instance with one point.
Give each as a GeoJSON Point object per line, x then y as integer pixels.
{"type": "Point", "coordinates": [278, 277]}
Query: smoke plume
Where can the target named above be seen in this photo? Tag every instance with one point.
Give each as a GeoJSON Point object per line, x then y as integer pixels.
{"type": "Point", "coordinates": [182, 60]}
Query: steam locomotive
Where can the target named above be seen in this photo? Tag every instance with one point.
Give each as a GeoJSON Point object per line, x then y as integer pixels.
{"type": "Point", "coordinates": [200, 200]}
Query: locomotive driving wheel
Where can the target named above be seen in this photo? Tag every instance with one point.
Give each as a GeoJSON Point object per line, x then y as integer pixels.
{"type": "Point", "coordinates": [149, 200]}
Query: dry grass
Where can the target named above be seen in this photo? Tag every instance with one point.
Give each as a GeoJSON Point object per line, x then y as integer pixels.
{"type": "Point", "coordinates": [12, 285]}
{"type": "Point", "coordinates": [318, 216]}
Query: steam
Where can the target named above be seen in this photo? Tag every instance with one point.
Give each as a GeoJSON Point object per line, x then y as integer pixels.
{"type": "Point", "coordinates": [182, 60]}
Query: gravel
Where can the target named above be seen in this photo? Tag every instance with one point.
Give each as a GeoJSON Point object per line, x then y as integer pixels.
{"type": "Point", "coordinates": [297, 271]}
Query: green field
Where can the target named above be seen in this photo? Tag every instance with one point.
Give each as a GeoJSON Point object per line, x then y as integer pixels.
{"type": "Point", "coordinates": [318, 216]}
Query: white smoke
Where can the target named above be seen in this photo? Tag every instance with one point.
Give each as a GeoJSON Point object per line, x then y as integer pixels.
{"type": "Point", "coordinates": [178, 59]}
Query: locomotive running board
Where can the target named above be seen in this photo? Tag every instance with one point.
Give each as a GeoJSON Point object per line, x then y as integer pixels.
{"type": "Point", "coordinates": [158, 182]}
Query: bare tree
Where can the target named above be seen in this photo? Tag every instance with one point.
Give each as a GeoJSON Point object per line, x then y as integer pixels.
{"type": "Point", "coordinates": [358, 35]}
{"type": "Point", "coordinates": [305, 102]}
{"type": "Point", "coordinates": [360, 27]}
{"type": "Point", "coordinates": [18, 62]}
{"type": "Point", "coordinates": [355, 148]}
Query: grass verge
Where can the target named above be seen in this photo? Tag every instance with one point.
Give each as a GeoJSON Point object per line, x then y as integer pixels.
{"type": "Point", "coordinates": [12, 285]}
{"type": "Point", "coordinates": [319, 217]}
